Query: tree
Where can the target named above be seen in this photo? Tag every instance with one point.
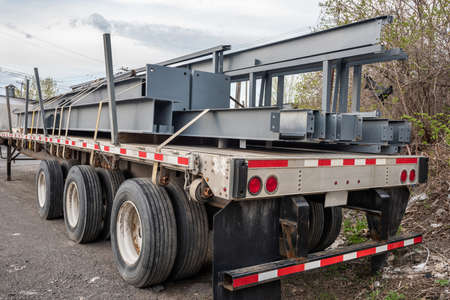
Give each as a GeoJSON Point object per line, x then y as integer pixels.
{"type": "Point", "coordinates": [49, 89]}
{"type": "Point", "coordinates": [421, 29]}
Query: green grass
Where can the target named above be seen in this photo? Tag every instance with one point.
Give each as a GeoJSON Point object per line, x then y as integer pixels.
{"type": "Point", "coordinates": [394, 296]}
{"type": "Point", "coordinates": [354, 231]}
{"type": "Point", "coordinates": [443, 282]}
{"type": "Point", "coordinates": [374, 295]}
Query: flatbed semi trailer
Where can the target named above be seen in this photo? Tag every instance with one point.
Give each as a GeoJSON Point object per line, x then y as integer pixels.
{"type": "Point", "coordinates": [170, 166]}
{"type": "Point", "coordinates": [272, 212]}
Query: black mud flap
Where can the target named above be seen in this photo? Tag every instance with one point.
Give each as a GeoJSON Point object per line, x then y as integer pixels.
{"type": "Point", "coordinates": [386, 210]}
{"type": "Point", "coordinates": [246, 233]}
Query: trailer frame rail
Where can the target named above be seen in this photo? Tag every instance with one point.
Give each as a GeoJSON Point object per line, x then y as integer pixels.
{"type": "Point", "coordinates": [176, 159]}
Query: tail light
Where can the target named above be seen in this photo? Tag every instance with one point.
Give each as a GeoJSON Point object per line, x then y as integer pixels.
{"type": "Point", "coordinates": [403, 176]}
{"type": "Point", "coordinates": [412, 175]}
{"type": "Point", "coordinates": [254, 185]}
{"type": "Point", "coordinates": [271, 184]}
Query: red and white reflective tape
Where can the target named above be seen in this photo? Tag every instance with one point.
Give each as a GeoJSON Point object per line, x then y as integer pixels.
{"type": "Point", "coordinates": [247, 280]}
{"type": "Point", "coordinates": [316, 163]}
{"type": "Point", "coordinates": [344, 162]}
{"type": "Point", "coordinates": [168, 158]}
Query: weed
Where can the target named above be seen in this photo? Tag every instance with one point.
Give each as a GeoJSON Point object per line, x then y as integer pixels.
{"type": "Point", "coordinates": [443, 282]}
{"type": "Point", "coordinates": [373, 295]}
{"type": "Point", "coordinates": [354, 232]}
{"type": "Point", "coordinates": [394, 296]}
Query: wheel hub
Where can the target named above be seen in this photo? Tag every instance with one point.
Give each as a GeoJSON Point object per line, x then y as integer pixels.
{"type": "Point", "coordinates": [129, 232]}
{"type": "Point", "coordinates": [72, 204]}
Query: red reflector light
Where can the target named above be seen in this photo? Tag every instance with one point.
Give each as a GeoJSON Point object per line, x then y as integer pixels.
{"type": "Point", "coordinates": [254, 185]}
{"type": "Point", "coordinates": [271, 184]}
{"type": "Point", "coordinates": [412, 175]}
{"type": "Point", "coordinates": [403, 176]}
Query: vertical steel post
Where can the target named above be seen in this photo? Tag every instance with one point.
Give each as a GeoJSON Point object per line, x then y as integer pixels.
{"type": "Point", "coordinates": [220, 67]}
{"type": "Point", "coordinates": [336, 86]}
{"type": "Point", "coordinates": [8, 148]}
{"type": "Point", "coordinates": [215, 59]}
{"type": "Point", "coordinates": [237, 94]}
{"type": "Point", "coordinates": [356, 88]}
{"type": "Point", "coordinates": [8, 109]}
{"type": "Point", "coordinates": [326, 86]}
{"type": "Point", "coordinates": [27, 95]}
{"type": "Point", "coordinates": [343, 90]}
{"type": "Point", "coordinates": [268, 91]}
{"type": "Point", "coordinates": [41, 101]}
{"type": "Point", "coordinates": [111, 90]}
{"type": "Point", "coordinates": [261, 91]}
{"type": "Point", "coordinates": [252, 87]}
{"type": "Point", "coordinates": [8, 161]}
{"type": "Point", "coordinates": [280, 91]}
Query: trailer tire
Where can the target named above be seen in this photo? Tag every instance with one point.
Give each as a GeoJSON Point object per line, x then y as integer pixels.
{"type": "Point", "coordinates": [192, 233]}
{"type": "Point", "coordinates": [143, 232]}
{"type": "Point", "coordinates": [83, 204]}
{"type": "Point", "coordinates": [331, 227]}
{"type": "Point", "coordinates": [66, 165]}
{"type": "Point", "coordinates": [316, 220]}
{"type": "Point", "coordinates": [110, 181]}
{"type": "Point", "coordinates": [49, 189]}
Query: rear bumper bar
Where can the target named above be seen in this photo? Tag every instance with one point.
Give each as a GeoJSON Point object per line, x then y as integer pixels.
{"type": "Point", "coordinates": [259, 274]}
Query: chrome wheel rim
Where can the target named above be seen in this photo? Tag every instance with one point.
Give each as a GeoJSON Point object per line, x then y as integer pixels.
{"type": "Point", "coordinates": [129, 232]}
{"type": "Point", "coordinates": [72, 204]}
{"type": "Point", "coordinates": [42, 189]}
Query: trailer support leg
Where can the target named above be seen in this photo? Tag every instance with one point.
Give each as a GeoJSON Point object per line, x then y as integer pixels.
{"type": "Point", "coordinates": [8, 162]}
{"type": "Point", "coordinates": [246, 233]}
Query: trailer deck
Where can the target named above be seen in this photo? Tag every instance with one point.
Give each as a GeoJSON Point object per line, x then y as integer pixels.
{"type": "Point", "coordinates": [297, 171]}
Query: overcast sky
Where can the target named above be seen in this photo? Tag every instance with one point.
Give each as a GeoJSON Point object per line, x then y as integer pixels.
{"type": "Point", "coordinates": [63, 38]}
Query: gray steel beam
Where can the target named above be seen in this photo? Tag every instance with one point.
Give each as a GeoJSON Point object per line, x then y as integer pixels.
{"type": "Point", "coordinates": [355, 35]}
{"type": "Point", "coordinates": [280, 91]}
{"type": "Point", "coordinates": [337, 82]}
{"type": "Point", "coordinates": [252, 90]}
{"type": "Point", "coordinates": [343, 89]}
{"type": "Point", "coordinates": [268, 90]}
{"type": "Point", "coordinates": [356, 88]}
{"type": "Point", "coordinates": [111, 90]}
{"type": "Point", "coordinates": [357, 39]}
{"type": "Point", "coordinates": [191, 56]}
{"type": "Point", "coordinates": [314, 63]}
{"type": "Point", "coordinates": [326, 85]}
{"type": "Point", "coordinates": [261, 91]}
{"type": "Point", "coordinates": [243, 124]}
{"type": "Point", "coordinates": [215, 58]}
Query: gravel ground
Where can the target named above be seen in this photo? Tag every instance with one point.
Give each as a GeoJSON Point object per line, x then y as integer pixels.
{"type": "Point", "coordinates": [37, 260]}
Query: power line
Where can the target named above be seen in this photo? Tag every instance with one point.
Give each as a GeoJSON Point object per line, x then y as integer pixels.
{"type": "Point", "coordinates": [28, 36]}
